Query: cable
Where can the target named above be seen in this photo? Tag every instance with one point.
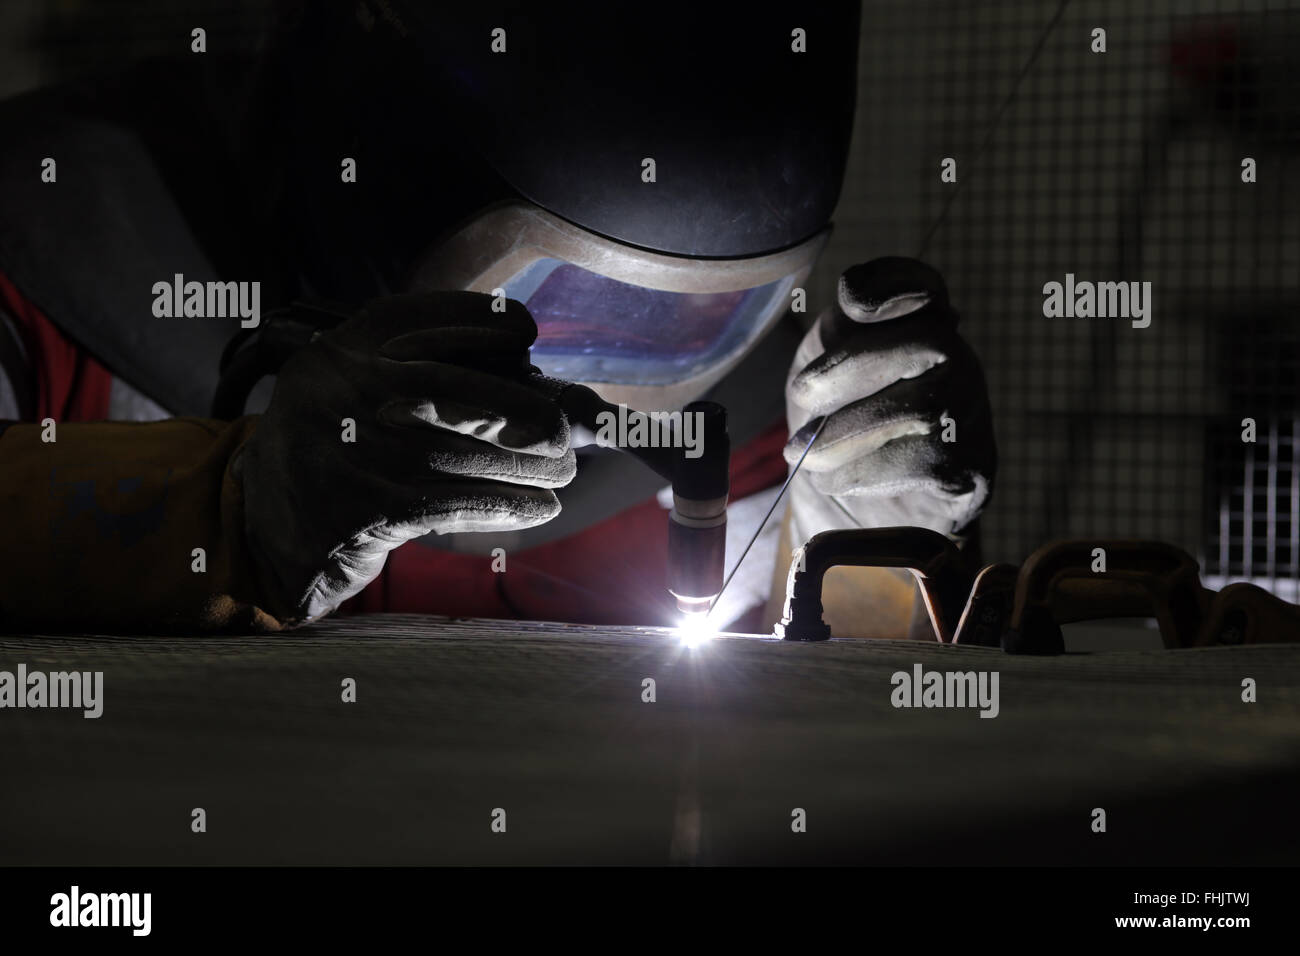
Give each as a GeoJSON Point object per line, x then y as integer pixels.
{"type": "Point", "coordinates": [993, 125]}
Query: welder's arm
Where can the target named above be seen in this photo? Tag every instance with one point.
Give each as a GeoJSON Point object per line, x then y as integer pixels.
{"type": "Point", "coordinates": [907, 440]}
{"type": "Point", "coordinates": [117, 526]}
{"type": "Point", "coordinates": [416, 416]}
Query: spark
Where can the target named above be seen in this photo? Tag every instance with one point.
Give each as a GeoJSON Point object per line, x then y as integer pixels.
{"type": "Point", "coordinates": [695, 629]}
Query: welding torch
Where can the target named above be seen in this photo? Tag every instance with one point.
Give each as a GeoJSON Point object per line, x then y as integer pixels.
{"type": "Point", "coordinates": [697, 523]}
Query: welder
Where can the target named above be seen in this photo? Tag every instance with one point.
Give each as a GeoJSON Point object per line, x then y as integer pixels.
{"type": "Point", "coordinates": [457, 206]}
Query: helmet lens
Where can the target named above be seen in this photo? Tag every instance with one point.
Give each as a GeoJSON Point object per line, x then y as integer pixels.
{"type": "Point", "coordinates": [592, 328]}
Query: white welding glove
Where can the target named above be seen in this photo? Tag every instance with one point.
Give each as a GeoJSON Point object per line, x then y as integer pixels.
{"type": "Point", "coordinates": [448, 437]}
{"type": "Point", "coordinates": [888, 370]}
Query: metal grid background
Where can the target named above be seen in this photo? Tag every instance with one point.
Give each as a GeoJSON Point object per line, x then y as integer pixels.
{"type": "Point", "coordinates": [1117, 166]}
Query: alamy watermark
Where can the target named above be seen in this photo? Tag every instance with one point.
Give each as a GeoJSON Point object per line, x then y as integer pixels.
{"type": "Point", "coordinates": [1101, 300]}
{"type": "Point", "coordinates": [922, 688]}
{"type": "Point", "coordinates": [75, 908]}
{"type": "Point", "coordinates": [633, 429]}
{"type": "Point", "coordinates": [208, 300]}
{"type": "Point", "coordinates": [36, 689]}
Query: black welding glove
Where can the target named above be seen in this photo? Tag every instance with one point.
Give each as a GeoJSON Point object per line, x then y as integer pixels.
{"type": "Point", "coordinates": [908, 438]}
{"type": "Point", "coordinates": [413, 417]}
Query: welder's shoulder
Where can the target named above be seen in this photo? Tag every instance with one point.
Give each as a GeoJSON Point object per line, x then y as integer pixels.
{"type": "Point", "coordinates": [79, 173]}
{"type": "Point", "coordinates": [92, 214]}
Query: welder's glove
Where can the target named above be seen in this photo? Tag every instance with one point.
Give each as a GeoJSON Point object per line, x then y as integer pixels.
{"type": "Point", "coordinates": [887, 366]}
{"type": "Point", "coordinates": [412, 417]}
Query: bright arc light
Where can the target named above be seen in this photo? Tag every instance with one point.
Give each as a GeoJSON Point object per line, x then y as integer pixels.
{"type": "Point", "coordinates": [695, 629]}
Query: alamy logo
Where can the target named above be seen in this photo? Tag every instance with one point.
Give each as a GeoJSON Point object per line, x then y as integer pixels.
{"type": "Point", "coordinates": [632, 429]}
{"type": "Point", "coordinates": [74, 689]}
{"type": "Point", "coordinates": [1101, 300]}
{"type": "Point", "coordinates": [75, 908]}
{"type": "Point", "coordinates": [923, 688]}
{"type": "Point", "coordinates": [209, 300]}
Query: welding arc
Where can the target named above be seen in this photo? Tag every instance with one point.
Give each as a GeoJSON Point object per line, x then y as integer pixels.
{"type": "Point", "coordinates": [762, 524]}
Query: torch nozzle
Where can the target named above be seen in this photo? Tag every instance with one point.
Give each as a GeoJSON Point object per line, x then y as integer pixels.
{"type": "Point", "coordinates": [697, 525]}
{"type": "Point", "coordinates": [694, 605]}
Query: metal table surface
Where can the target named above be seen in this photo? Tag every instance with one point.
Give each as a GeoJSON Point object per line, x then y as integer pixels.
{"type": "Point", "coordinates": [456, 718]}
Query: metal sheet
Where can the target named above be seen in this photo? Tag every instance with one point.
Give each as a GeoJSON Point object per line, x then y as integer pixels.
{"type": "Point", "coordinates": [457, 718]}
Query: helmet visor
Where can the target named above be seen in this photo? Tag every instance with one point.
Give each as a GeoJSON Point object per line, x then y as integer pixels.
{"type": "Point", "coordinates": [645, 328]}
{"type": "Point", "coordinates": [593, 328]}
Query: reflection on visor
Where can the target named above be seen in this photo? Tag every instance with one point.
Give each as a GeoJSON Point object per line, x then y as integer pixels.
{"type": "Point", "coordinates": [596, 329]}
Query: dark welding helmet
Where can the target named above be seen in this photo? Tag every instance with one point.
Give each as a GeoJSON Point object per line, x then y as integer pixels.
{"type": "Point", "coordinates": [652, 181]}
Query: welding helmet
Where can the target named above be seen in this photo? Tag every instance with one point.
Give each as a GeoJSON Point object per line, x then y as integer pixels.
{"type": "Point", "coordinates": [652, 182]}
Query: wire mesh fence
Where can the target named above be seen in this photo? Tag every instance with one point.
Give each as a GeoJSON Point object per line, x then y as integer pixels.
{"type": "Point", "coordinates": [1128, 165]}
